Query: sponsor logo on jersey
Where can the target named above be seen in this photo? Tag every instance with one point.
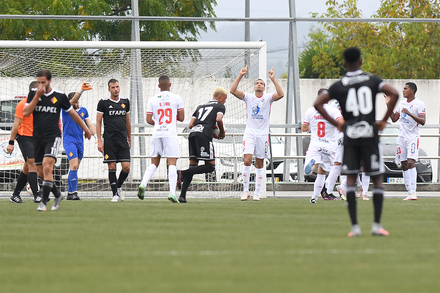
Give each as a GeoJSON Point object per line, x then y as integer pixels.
{"type": "Point", "coordinates": [197, 128]}
{"type": "Point", "coordinates": [116, 112]}
{"type": "Point", "coordinates": [46, 109]}
{"type": "Point", "coordinates": [110, 107]}
{"type": "Point", "coordinates": [349, 80]}
{"type": "Point", "coordinates": [54, 100]}
{"type": "Point", "coordinates": [360, 130]}
{"type": "Point", "coordinates": [256, 112]}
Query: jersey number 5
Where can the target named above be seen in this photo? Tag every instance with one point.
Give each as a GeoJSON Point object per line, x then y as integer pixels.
{"type": "Point", "coordinates": [168, 113]}
{"type": "Point", "coordinates": [360, 101]}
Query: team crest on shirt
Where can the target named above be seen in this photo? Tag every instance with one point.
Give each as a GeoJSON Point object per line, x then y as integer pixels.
{"type": "Point", "coordinates": [54, 100]}
{"type": "Point", "coordinates": [82, 114]}
{"type": "Point", "coordinates": [123, 106]}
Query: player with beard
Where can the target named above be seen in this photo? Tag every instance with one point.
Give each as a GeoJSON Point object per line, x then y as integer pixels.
{"type": "Point", "coordinates": [46, 103]}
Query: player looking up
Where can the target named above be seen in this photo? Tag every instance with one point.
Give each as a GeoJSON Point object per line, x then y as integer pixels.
{"type": "Point", "coordinates": [356, 93]}
{"type": "Point", "coordinates": [46, 103]}
{"type": "Point", "coordinates": [115, 111]}
{"type": "Point", "coordinates": [322, 147]}
{"type": "Point", "coordinates": [256, 134]}
{"type": "Point", "coordinates": [202, 124]}
{"type": "Point", "coordinates": [411, 113]}
{"type": "Point", "coordinates": [73, 140]}
{"type": "Point", "coordinates": [163, 111]}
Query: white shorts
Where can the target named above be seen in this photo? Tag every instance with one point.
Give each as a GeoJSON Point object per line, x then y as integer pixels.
{"type": "Point", "coordinates": [256, 145]}
{"type": "Point", "coordinates": [339, 153]}
{"type": "Point", "coordinates": [322, 156]}
{"type": "Point", "coordinates": [165, 147]}
{"type": "Point", "coordinates": [407, 149]}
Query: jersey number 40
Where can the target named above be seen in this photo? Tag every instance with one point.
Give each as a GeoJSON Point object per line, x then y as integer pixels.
{"type": "Point", "coordinates": [360, 101]}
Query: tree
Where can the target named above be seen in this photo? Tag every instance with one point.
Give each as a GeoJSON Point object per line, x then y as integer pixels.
{"type": "Point", "coordinates": [391, 50]}
{"type": "Point", "coordinates": [12, 29]}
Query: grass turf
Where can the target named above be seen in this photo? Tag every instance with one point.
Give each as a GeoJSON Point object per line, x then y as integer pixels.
{"type": "Point", "coordinates": [217, 245]}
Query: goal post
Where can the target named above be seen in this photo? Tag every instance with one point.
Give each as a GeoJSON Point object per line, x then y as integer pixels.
{"type": "Point", "coordinates": [195, 70]}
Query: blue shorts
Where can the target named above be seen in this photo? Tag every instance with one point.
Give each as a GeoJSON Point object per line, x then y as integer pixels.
{"type": "Point", "coordinates": [74, 149]}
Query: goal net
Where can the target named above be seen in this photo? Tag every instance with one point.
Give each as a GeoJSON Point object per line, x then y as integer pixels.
{"type": "Point", "coordinates": [195, 70]}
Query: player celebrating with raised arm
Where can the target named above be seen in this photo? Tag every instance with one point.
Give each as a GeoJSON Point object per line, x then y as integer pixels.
{"type": "Point", "coordinates": [73, 141]}
{"type": "Point", "coordinates": [356, 93]}
{"type": "Point", "coordinates": [115, 111]}
{"type": "Point", "coordinates": [412, 113]}
{"type": "Point", "coordinates": [202, 124]}
{"type": "Point", "coordinates": [46, 103]}
{"type": "Point", "coordinates": [256, 134]}
{"type": "Point", "coordinates": [163, 111]}
{"type": "Point", "coordinates": [322, 147]}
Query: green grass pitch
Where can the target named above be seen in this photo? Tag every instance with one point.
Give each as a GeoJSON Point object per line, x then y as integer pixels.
{"type": "Point", "coordinates": [218, 245]}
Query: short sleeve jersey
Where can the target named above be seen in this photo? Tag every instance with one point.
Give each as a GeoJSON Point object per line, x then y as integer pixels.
{"type": "Point", "coordinates": [409, 128]}
{"type": "Point", "coordinates": [72, 132]}
{"type": "Point", "coordinates": [47, 113]}
{"type": "Point", "coordinates": [206, 116]}
{"type": "Point", "coordinates": [356, 93]}
{"type": "Point", "coordinates": [164, 107]}
{"type": "Point", "coordinates": [26, 126]}
{"type": "Point", "coordinates": [258, 113]}
{"type": "Point", "coordinates": [114, 117]}
{"type": "Point", "coordinates": [323, 133]}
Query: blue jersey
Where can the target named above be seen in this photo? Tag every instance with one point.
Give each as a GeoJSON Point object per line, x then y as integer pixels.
{"type": "Point", "coordinates": [72, 132]}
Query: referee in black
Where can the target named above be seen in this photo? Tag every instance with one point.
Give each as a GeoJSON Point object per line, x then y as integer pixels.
{"type": "Point", "coordinates": [202, 124]}
{"type": "Point", "coordinates": [46, 103]}
{"type": "Point", "coordinates": [356, 93]}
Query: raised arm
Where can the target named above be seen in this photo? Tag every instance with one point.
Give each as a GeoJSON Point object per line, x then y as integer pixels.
{"type": "Point", "coordinates": [84, 87]}
{"type": "Point", "coordinates": [239, 94]}
{"type": "Point", "coordinates": [279, 94]}
{"type": "Point", "coordinates": [29, 108]}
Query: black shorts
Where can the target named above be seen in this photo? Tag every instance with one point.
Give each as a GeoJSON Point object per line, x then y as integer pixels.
{"type": "Point", "coordinates": [200, 148]}
{"type": "Point", "coordinates": [116, 150]}
{"type": "Point", "coordinates": [26, 144]}
{"type": "Point", "coordinates": [368, 155]}
{"type": "Point", "coordinates": [46, 148]}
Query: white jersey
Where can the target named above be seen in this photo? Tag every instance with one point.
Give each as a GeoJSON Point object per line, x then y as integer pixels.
{"type": "Point", "coordinates": [258, 113]}
{"type": "Point", "coordinates": [323, 132]}
{"type": "Point", "coordinates": [409, 128]}
{"type": "Point", "coordinates": [164, 107]}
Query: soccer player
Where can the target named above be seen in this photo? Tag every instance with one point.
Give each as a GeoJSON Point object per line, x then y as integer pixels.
{"type": "Point", "coordinates": [256, 134]}
{"type": "Point", "coordinates": [202, 124]}
{"type": "Point", "coordinates": [22, 132]}
{"type": "Point", "coordinates": [46, 103]}
{"type": "Point", "coordinates": [412, 113]}
{"type": "Point", "coordinates": [322, 147]}
{"type": "Point", "coordinates": [356, 93]}
{"type": "Point", "coordinates": [115, 111]}
{"type": "Point", "coordinates": [163, 111]}
{"type": "Point", "coordinates": [73, 140]}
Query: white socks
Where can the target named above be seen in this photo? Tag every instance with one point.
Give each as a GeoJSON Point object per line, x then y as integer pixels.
{"type": "Point", "coordinates": [148, 174]}
{"type": "Point", "coordinates": [246, 173]}
{"type": "Point", "coordinates": [260, 175]}
{"type": "Point", "coordinates": [319, 184]}
{"type": "Point", "coordinates": [412, 180]}
{"type": "Point", "coordinates": [172, 178]}
{"type": "Point", "coordinates": [406, 180]}
{"type": "Point", "coordinates": [365, 183]}
{"type": "Point", "coordinates": [332, 176]}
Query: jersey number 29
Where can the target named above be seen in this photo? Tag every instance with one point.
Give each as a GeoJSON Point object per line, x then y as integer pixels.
{"type": "Point", "coordinates": [168, 113]}
{"type": "Point", "coordinates": [360, 101]}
